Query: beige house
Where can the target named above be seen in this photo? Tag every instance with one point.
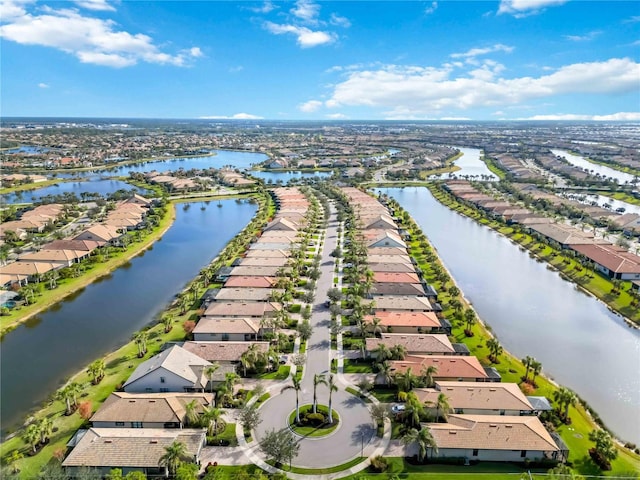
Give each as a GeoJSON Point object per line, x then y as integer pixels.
{"type": "Point", "coordinates": [130, 449]}
{"type": "Point", "coordinates": [406, 322]}
{"type": "Point", "coordinates": [420, 344]}
{"type": "Point", "coordinates": [224, 329]}
{"type": "Point", "coordinates": [403, 302]}
{"type": "Point", "coordinates": [147, 410]}
{"type": "Point", "coordinates": [244, 294]}
{"type": "Point", "coordinates": [242, 309]}
{"type": "Point", "coordinates": [223, 352]}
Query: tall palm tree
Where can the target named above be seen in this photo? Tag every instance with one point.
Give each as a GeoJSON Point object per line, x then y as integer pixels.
{"type": "Point", "coordinates": [526, 361]}
{"type": "Point", "coordinates": [384, 370]}
{"type": "Point", "coordinates": [331, 385]}
{"type": "Point", "coordinates": [495, 348]}
{"type": "Point", "coordinates": [32, 436]}
{"type": "Point", "coordinates": [96, 371]}
{"type": "Point", "coordinates": [565, 398]}
{"type": "Point", "coordinates": [427, 375]}
{"type": "Point", "coordinates": [211, 419]}
{"type": "Point", "coordinates": [398, 352]}
{"type": "Point", "coordinates": [318, 379]}
{"type": "Point", "coordinates": [423, 439]}
{"type": "Point", "coordinates": [405, 381]}
{"type": "Point", "coordinates": [141, 338]}
{"type": "Point", "coordinates": [382, 352]}
{"type": "Point", "coordinates": [296, 386]}
{"type": "Point", "coordinates": [442, 404]}
{"type": "Point", "coordinates": [191, 413]}
{"type": "Point", "coordinates": [174, 456]}
{"type": "Point", "coordinates": [413, 410]}
{"type": "Point", "coordinates": [536, 368]}
{"type": "Point", "coordinates": [209, 372]}
{"type": "Point", "coordinates": [64, 395]}
{"type": "Point", "coordinates": [230, 380]}
{"type": "Point", "coordinates": [45, 427]}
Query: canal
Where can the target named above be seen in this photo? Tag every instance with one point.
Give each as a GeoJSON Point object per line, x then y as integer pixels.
{"type": "Point", "coordinates": [595, 168]}
{"type": "Point", "coordinates": [533, 311]}
{"type": "Point", "coordinates": [42, 353]}
{"type": "Point", "coordinates": [471, 165]}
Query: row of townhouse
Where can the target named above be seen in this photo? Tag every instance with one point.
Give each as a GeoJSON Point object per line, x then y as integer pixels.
{"type": "Point", "coordinates": [489, 420]}
{"type": "Point", "coordinates": [132, 428]}
{"type": "Point", "coordinates": [58, 254]}
{"type": "Point", "coordinates": [611, 260]}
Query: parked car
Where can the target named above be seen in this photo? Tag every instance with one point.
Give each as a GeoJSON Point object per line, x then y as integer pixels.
{"type": "Point", "coordinates": [283, 359]}
{"type": "Point", "coordinates": [398, 408]}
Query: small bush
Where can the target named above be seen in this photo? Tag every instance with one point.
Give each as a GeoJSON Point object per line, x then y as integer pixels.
{"type": "Point", "coordinates": [599, 460]}
{"type": "Point", "coordinates": [314, 419]}
{"type": "Point", "coordinates": [379, 464]}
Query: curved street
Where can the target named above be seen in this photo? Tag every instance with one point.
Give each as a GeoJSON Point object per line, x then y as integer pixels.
{"type": "Point", "coordinates": [356, 433]}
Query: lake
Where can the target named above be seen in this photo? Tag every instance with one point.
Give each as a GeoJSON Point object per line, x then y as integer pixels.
{"type": "Point", "coordinates": [533, 311]}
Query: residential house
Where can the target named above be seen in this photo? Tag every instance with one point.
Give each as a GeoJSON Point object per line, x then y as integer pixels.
{"type": "Point", "coordinates": [612, 261]}
{"type": "Point", "coordinates": [407, 322]}
{"type": "Point", "coordinates": [226, 329]}
{"type": "Point", "coordinates": [173, 370]}
{"type": "Point", "coordinates": [148, 410]}
{"type": "Point", "coordinates": [387, 239]}
{"type": "Point", "coordinates": [449, 367]}
{"type": "Point", "coordinates": [392, 267]}
{"type": "Point", "coordinates": [414, 344]}
{"type": "Point", "coordinates": [495, 438]}
{"type": "Point", "coordinates": [223, 352]}
{"type": "Point", "coordinates": [244, 294]}
{"type": "Point", "coordinates": [100, 233]}
{"type": "Point", "coordinates": [396, 288]}
{"type": "Point", "coordinates": [388, 303]}
{"type": "Point", "coordinates": [479, 398]}
{"type": "Point", "coordinates": [129, 449]}
{"type": "Point", "coordinates": [251, 282]}
{"type": "Point", "coordinates": [242, 309]}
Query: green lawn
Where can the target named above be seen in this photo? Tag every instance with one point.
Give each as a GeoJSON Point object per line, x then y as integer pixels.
{"type": "Point", "coordinates": [321, 471]}
{"type": "Point", "coordinates": [228, 435]}
{"type": "Point", "coordinates": [310, 431]}
{"type": "Point", "coordinates": [281, 374]}
{"type": "Point", "coordinates": [352, 366]}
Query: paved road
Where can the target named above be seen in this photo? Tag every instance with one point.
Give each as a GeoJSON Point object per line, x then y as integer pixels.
{"type": "Point", "coordinates": [356, 431]}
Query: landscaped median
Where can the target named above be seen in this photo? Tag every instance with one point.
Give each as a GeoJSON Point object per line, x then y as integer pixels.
{"type": "Point", "coordinates": [47, 298]}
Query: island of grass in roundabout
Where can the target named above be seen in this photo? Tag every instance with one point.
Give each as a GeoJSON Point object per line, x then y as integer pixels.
{"type": "Point", "coordinates": [314, 424]}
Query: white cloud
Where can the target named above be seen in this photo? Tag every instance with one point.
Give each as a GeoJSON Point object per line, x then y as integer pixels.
{"type": "Point", "coordinates": [416, 90]}
{"type": "Point", "coordinates": [614, 117]}
{"type": "Point", "coordinates": [306, 10]}
{"type": "Point", "coordinates": [99, 5]}
{"type": "Point", "coordinates": [634, 19]}
{"type": "Point", "coordinates": [91, 40]}
{"type": "Point", "coordinates": [43, 85]}
{"type": "Point", "coordinates": [475, 52]}
{"type": "Point", "coordinates": [429, 10]}
{"type": "Point", "coordinates": [236, 69]}
{"type": "Point", "coordinates": [336, 116]}
{"type": "Point", "coordinates": [454, 119]}
{"type": "Point", "coordinates": [266, 7]}
{"type": "Point", "coordinates": [310, 106]}
{"type": "Point", "coordinates": [305, 37]}
{"type": "Point", "coordinates": [237, 116]}
{"type": "Point", "coordinates": [522, 8]}
{"type": "Point", "coordinates": [583, 38]}
{"type": "Point", "coordinates": [339, 21]}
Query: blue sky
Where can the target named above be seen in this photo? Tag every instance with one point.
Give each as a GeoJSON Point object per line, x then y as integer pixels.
{"type": "Point", "coordinates": [503, 59]}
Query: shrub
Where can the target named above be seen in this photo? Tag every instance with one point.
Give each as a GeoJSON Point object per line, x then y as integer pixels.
{"type": "Point", "coordinates": [379, 464]}
{"type": "Point", "coordinates": [599, 460]}
{"type": "Point", "coordinates": [313, 419]}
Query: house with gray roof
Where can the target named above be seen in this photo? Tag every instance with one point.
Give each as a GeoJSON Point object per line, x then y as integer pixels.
{"type": "Point", "coordinates": [173, 370]}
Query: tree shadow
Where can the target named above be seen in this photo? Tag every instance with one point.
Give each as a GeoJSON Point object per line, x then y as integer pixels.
{"type": "Point", "coordinates": [362, 434]}
{"type": "Point", "coordinates": [323, 345]}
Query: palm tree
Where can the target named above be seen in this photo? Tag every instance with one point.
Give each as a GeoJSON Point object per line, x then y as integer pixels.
{"type": "Point", "coordinates": [382, 352]}
{"type": "Point", "coordinates": [230, 379]}
{"type": "Point", "coordinates": [331, 385]}
{"type": "Point", "coordinates": [96, 371]}
{"type": "Point", "coordinates": [405, 381]}
{"type": "Point", "coordinates": [74, 389]}
{"type": "Point", "coordinates": [209, 372]}
{"type": "Point", "coordinates": [32, 436]}
{"type": "Point", "coordinates": [470, 320]}
{"type": "Point", "coordinates": [318, 379]}
{"type": "Point", "coordinates": [565, 397]}
{"type": "Point", "coordinates": [141, 338]}
{"type": "Point", "coordinates": [384, 369]}
{"type": "Point", "coordinates": [442, 404]}
{"type": "Point", "coordinates": [191, 414]}
{"type": "Point", "coordinates": [376, 327]}
{"type": "Point", "coordinates": [427, 375]}
{"type": "Point", "coordinates": [536, 368]}
{"type": "Point", "coordinates": [296, 386]}
{"type": "Point", "coordinates": [174, 456]}
{"type": "Point", "coordinates": [423, 438]}
{"type": "Point", "coordinates": [65, 395]}
{"type": "Point", "coordinates": [167, 321]}
{"type": "Point", "coordinates": [526, 361]}
{"type": "Point", "coordinates": [45, 427]}
{"type": "Point", "coordinates": [398, 352]}
{"type": "Point", "coordinates": [495, 348]}
{"type": "Point", "coordinates": [211, 419]}
{"type": "Point", "coordinates": [413, 410]}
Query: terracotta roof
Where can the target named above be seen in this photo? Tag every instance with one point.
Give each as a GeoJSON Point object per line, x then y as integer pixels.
{"type": "Point", "coordinates": [449, 366]}
{"type": "Point", "coordinates": [222, 351]}
{"type": "Point", "coordinates": [395, 277]}
{"type": "Point", "coordinates": [130, 447]}
{"type": "Point", "coordinates": [406, 319]}
{"type": "Point", "coordinates": [52, 256]}
{"type": "Point", "coordinates": [492, 432]}
{"type": "Point", "coordinates": [148, 407]}
{"type": "Point", "coordinates": [477, 395]}
{"type": "Point", "coordinates": [612, 257]}
{"type": "Point", "coordinates": [29, 268]}
{"type": "Point", "coordinates": [84, 245]}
